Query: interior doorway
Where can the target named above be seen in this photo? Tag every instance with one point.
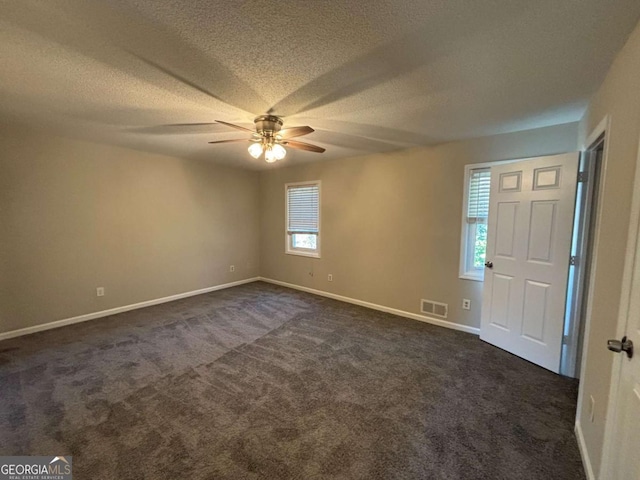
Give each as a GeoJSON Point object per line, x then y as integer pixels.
{"type": "Point", "coordinates": [587, 199]}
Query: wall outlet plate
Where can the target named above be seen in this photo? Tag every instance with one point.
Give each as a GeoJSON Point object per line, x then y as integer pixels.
{"type": "Point", "coordinates": [100, 292]}
{"type": "Point", "coordinates": [330, 277]}
{"type": "Point", "coordinates": [232, 268]}
{"type": "Point", "coordinates": [466, 304]}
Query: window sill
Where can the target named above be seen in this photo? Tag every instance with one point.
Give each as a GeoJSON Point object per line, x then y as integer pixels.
{"type": "Point", "coordinates": [303, 254]}
{"type": "Point", "coordinates": [471, 276]}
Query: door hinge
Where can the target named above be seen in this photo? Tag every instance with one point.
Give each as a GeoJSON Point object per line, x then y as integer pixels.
{"type": "Point", "coordinates": [573, 260]}
{"type": "Point", "coordinates": [583, 177]}
{"type": "Point", "coordinates": [565, 339]}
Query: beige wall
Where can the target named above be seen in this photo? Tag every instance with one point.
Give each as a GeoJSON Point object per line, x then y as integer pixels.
{"type": "Point", "coordinates": [618, 97]}
{"type": "Point", "coordinates": [391, 223]}
{"type": "Point", "coordinates": [75, 216]}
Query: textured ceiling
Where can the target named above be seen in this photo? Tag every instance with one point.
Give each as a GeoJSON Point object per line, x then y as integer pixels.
{"type": "Point", "coordinates": [369, 76]}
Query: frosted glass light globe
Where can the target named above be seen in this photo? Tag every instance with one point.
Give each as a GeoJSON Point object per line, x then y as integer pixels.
{"type": "Point", "coordinates": [255, 150]}
{"type": "Point", "coordinates": [269, 155]}
{"type": "Point", "coordinates": [279, 151]}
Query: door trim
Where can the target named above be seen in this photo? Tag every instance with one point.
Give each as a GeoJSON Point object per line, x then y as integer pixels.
{"type": "Point", "coordinates": [603, 128]}
{"type": "Point", "coordinates": [581, 247]}
{"type": "Point", "coordinates": [606, 467]}
{"type": "Point", "coordinates": [584, 452]}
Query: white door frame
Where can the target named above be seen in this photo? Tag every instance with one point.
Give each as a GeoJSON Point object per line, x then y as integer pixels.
{"type": "Point", "coordinates": [604, 127]}
{"type": "Point", "coordinates": [606, 467]}
{"type": "Point", "coordinates": [581, 247]}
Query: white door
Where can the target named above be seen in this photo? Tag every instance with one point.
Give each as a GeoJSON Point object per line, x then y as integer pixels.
{"type": "Point", "coordinates": [624, 443]}
{"type": "Point", "coordinates": [531, 208]}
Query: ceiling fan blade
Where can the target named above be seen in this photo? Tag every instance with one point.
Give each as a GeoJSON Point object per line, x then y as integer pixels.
{"type": "Point", "coordinates": [188, 124]}
{"type": "Point", "coordinates": [236, 126]}
{"type": "Point", "coordinates": [177, 129]}
{"type": "Point", "coordinates": [295, 132]}
{"type": "Point", "coordinates": [303, 146]}
{"type": "Point", "coordinates": [231, 141]}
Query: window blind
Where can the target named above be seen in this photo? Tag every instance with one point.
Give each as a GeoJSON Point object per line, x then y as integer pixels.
{"type": "Point", "coordinates": [302, 209]}
{"type": "Point", "coordinates": [479, 188]}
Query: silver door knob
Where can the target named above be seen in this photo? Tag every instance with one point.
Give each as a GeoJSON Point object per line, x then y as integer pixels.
{"type": "Point", "coordinates": [624, 345]}
{"type": "Point", "coordinates": [488, 264]}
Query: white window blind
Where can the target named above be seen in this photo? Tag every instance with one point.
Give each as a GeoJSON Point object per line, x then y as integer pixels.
{"type": "Point", "coordinates": [479, 188]}
{"type": "Point", "coordinates": [302, 209]}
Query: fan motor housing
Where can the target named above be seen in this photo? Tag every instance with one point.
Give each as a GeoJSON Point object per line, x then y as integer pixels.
{"type": "Point", "coordinates": [268, 125]}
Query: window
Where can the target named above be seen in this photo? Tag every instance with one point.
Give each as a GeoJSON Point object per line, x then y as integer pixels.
{"type": "Point", "coordinates": [474, 223]}
{"type": "Point", "coordinates": [303, 218]}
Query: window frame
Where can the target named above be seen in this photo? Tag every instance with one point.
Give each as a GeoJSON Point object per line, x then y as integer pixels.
{"type": "Point", "coordinates": [288, 237]}
{"type": "Point", "coordinates": [468, 232]}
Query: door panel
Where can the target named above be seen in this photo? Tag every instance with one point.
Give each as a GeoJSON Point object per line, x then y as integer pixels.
{"type": "Point", "coordinates": [541, 231]}
{"type": "Point", "coordinates": [510, 182]}
{"type": "Point", "coordinates": [626, 437]}
{"type": "Point", "coordinates": [529, 240]}
{"type": "Point", "coordinates": [505, 237]}
{"type": "Point", "coordinates": [500, 299]}
{"type": "Point", "coordinates": [546, 178]}
{"type": "Point", "coordinates": [536, 303]}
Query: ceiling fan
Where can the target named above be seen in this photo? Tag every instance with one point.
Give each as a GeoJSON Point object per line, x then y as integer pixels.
{"type": "Point", "coordinates": [270, 138]}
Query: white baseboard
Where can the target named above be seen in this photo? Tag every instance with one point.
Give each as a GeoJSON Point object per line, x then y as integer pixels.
{"type": "Point", "coordinates": [382, 308]}
{"type": "Point", "coordinates": [114, 311]}
{"type": "Point", "coordinates": [157, 301]}
{"type": "Point", "coordinates": [582, 446]}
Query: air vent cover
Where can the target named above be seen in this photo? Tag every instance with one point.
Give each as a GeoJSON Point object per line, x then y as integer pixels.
{"type": "Point", "coordinates": [436, 309]}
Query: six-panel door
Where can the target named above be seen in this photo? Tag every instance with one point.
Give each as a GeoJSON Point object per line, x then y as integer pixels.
{"type": "Point", "coordinates": [529, 240]}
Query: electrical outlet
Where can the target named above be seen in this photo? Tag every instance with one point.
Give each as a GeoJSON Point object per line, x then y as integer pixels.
{"type": "Point", "coordinates": [592, 408]}
{"type": "Point", "coordinates": [100, 292]}
{"type": "Point", "coordinates": [330, 277]}
{"type": "Point", "coordinates": [232, 268]}
{"type": "Point", "coordinates": [466, 304]}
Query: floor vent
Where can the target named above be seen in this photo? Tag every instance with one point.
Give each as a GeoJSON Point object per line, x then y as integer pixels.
{"type": "Point", "coordinates": [434, 308]}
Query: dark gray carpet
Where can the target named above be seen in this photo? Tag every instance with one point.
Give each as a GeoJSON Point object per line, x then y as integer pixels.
{"type": "Point", "coordinates": [260, 381]}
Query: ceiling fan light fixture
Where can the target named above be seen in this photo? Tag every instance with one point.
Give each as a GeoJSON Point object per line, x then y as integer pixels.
{"type": "Point", "coordinates": [279, 151]}
{"type": "Point", "coordinates": [255, 150]}
{"type": "Point", "coordinates": [269, 155]}
{"type": "Point", "coordinates": [269, 137]}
